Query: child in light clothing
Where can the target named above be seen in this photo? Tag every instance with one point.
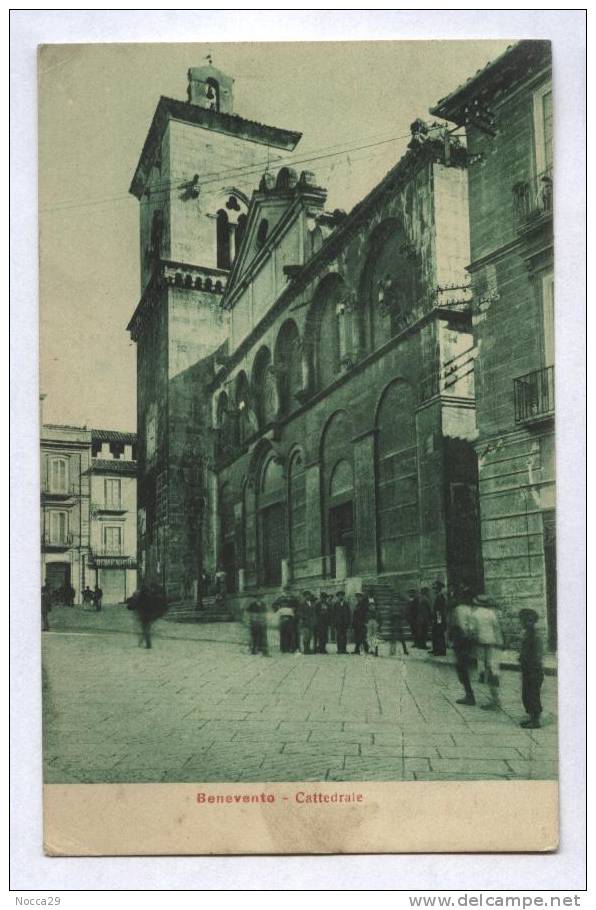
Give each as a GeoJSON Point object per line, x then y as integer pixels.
{"type": "Point", "coordinates": [372, 628]}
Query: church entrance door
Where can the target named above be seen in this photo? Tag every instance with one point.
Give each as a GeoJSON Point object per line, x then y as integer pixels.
{"type": "Point", "coordinates": [272, 543]}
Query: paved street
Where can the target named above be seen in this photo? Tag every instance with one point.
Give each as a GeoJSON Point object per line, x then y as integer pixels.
{"type": "Point", "coordinates": [198, 707]}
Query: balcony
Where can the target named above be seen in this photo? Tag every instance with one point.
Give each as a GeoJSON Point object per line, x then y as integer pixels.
{"type": "Point", "coordinates": [111, 557]}
{"type": "Point", "coordinates": [533, 201]}
{"type": "Point", "coordinates": [50, 542]}
{"type": "Point", "coordinates": [109, 508]}
{"type": "Point", "coordinates": [67, 491]}
{"type": "Point", "coordinates": [534, 396]}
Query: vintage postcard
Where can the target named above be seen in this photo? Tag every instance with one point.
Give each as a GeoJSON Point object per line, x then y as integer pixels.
{"type": "Point", "coordinates": [297, 447]}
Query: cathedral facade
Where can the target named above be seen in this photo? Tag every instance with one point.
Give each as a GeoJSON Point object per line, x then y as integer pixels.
{"type": "Point", "coordinates": [306, 402]}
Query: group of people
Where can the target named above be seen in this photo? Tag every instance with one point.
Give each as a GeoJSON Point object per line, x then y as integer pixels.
{"type": "Point", "coordinates": [92, 600]}
{"type": "Point", "coordinates": [469, 623]}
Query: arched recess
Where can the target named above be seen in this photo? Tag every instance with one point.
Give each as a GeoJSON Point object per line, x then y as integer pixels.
{"type": "Point", "coordinates": [337, 489]}
{"type": "Point", "coordinates": [297, 510]}
{"type": "Point", "coordinates": [325, 343]}
{"type": "Point", "coordinates": [288, 365]}
{"type": "Point", "coordinates": [212, 93]}
{"type": "Point", "coordinates": [265, 388]}
{"type": "Point", "coordinates": [247, 420]}
{"type": "Point", "coordinates": [396, 471]}
{"type": "Point", "coordinates": [271, 507]}
{"type": "Point", "coordinates": [226, 425]}
{"type": "Point", "coordinates": [389, 284]}
{"type": "Point", "coordinates": [224, 252]}
{"type": "Point", "coordinates": [227, 537]}
{"type": "Point", "coordinates": [230, 212]}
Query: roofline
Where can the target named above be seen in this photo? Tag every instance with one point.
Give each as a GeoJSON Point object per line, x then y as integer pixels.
{"type": "Point", "coordinates": [230, 124]}
{"type": "Point", "coordinates": [486, 80]}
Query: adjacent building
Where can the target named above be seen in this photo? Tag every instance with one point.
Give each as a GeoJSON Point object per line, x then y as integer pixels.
{"type": "Point", "coordinates": [507, 112]}
{"type": "Point", "coordinates": [88, 511]}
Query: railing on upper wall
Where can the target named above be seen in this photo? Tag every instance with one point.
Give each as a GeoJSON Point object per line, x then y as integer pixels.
{"type": "Point", "coordinates": [533, 200]}
{"type": "Point", "coordinates": [51, 542]}
{"type": "Point", "coordinates": [534, 395]}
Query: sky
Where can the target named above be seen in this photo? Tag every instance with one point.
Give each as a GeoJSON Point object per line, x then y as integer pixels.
{"type": "Point", "coordinates": [95, 107]}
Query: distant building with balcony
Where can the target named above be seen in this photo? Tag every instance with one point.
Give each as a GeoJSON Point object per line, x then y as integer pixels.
{"type": "Point", "coordinates": [88, 511]}
{"type": "Point", "coordinates": [506, 110]}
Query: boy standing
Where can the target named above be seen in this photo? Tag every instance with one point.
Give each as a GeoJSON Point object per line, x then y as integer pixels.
{"type": "Point", "coordinates": [532, 671]}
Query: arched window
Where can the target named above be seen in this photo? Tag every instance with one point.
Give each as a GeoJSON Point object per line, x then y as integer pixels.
{"type": "Point", "coordinates": [58, 475]}
{"type": "Point", "coordinates": [337, 486]}
{"type": "Point", "coordinates": [288, 365]}
{"type": "Point", "coordinates": [224, 258]}
{"type": "Point", "coordinates": [397, 480]}
{"type": "Point", "coordinates": [265, 388]}
{"type": "Point", "coordinates": [212, 93]}
{"type": "Point", "coordinates": [271, 516]}
{"type": "Point", "coordinates": [329, 336]}
{"type": "Point", "coordinates": [240, 231]}
{"type": "Point", "coordinates": [227, 426]}
{"type": "Point", "coordinates": [227, 536]}
{"type": "Point", "coordinates": [389, 287]}
{"type": "Point", "coordinates": [297, 511]}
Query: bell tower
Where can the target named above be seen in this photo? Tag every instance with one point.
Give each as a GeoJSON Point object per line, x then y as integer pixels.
{"type": "Point", "coordinates": [198, 167]}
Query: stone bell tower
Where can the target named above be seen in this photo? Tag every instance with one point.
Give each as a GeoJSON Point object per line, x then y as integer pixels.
{"type": "Point", "coordinates": [196, 173]}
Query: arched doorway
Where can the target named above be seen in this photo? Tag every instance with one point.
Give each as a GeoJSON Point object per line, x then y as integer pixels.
{"type": "Point", "coordinates": [271, 519]}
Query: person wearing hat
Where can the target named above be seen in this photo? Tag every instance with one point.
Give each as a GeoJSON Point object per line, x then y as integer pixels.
{"type": "Point", "coordinates": [359, 620]}
{"type": "Point", "coordinates": [439, 620]}
{"type": "Point", "coordinates": [489, 639]}
{"type": "Point", "coordinates": [412, 614]}
{"type": "Point", "coordinates": [532, 671]}
{"type": "Point", "coordinates": [424, 616]}
{"type": "Point", "coordinates": [322, 618]}
{"type": "Point", "coordinates": [341, 619]}
{"type": "Point", "coordinates": [306, 621]}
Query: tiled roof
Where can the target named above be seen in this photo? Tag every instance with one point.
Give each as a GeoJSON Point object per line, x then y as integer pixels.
{"type": "Point", "coordinates": [524, 53]}
{"type": "Point", "coordinates": [113, 466]}
{"type": "Point", "coordinates": [114, 436]}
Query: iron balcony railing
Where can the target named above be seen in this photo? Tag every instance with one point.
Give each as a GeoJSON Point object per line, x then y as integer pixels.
{"type": "Point", "coordinates": [57, 542]}
{"type": "Point", "coordinates": [533, 199]}
{"type": "Point", "coordinates": [534, 395]}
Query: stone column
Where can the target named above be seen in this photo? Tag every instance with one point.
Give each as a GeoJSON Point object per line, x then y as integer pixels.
{"type": "Point", "coordinates": [365, 524]}
{"type": "Point", "coordinates": [285, 573]}
{"type": "Point", "coordinates": [241, 581]}
{"type": "Point", "coordinates": [341, 563]}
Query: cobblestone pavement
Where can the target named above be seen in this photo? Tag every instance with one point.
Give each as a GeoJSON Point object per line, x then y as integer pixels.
{"type": "Point", "coordinates": [197, 707]}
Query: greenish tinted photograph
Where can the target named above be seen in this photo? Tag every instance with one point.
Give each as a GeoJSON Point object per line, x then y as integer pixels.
{"type": "Point", "coordinates": [297, 412]}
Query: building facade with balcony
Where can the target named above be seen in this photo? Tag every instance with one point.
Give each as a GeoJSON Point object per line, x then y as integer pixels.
{"type": "Point", "coordinates": [65, 487]}
{"type": "Point", "coordinates": [88, 511]}
{"type": "Point", "coordinates": [506, 110]}
{"type": "Point", "coordinates": [306, 411]}
{"type": "Point", "coordinates": [113, 509]}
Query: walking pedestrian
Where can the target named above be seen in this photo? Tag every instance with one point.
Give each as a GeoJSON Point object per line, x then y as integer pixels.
{"type": "Point", "coordinates": [423, 618]}
{"type": "Point", "coordinates": [257, 625]}
{"type": "Point", "coordinates": [359, 620]}
{"type": "Point", "coordinates": [87, 597]}
{"type": "Point", "coordinates": [489, 639]}
{"type": "Point", "coordinates": [307, 621]}
{"type": "Point", "coordinates": [397, 627]}
{"type": "Point", "coordinates": [322, 618]}
{"type": "Point", "coordinates": [462, 636]}
{"type": "Point", "coordinates": [341, 618]}
{"type": "Point", "coordinates": [412, 614]}
{"type": "Point", "coordinates": [439, 620]}
{"type": "Point", "coordinates": [97, 597]}
{"type": "Point", "coordinates": [532, 670]}
{"type": "Point", "coordinates": [146, 604]}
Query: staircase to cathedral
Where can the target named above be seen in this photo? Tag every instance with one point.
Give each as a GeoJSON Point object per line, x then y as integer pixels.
{"type": "Point", "coordinates": [211, 610]}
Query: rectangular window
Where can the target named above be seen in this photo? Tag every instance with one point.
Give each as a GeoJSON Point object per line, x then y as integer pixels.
{"type": "Point", "coordinates": [113, 493]}
{"type": "Point", "coordinates": [112, 540]}
{"type": "Point", "coordinates": [543, 128]}
{"type": "Point", "coordinates": [151, 432]}
{"type": "Point", "coordinates": [58, 527]}
{"type": "Point", "coordinates": [58, 476]}
{"type": "Point", "coordinates": [548, 318]}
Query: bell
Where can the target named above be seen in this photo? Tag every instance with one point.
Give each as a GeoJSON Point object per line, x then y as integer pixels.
{"type": "Point", "coordinates": [210, 92]}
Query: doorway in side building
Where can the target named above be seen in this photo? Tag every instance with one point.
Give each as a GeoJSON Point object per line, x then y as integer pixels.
{"type": "Point", "coordinates": [113, 584]}
{"type": "Point", "coordinates": [57, 575]}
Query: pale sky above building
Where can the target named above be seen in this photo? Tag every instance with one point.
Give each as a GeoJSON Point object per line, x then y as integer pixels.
{"type": "Point", "coordinates": [95, 107]}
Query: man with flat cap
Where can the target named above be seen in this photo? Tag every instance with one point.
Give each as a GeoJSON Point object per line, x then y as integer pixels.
{"type": "Point", "coordinates": [342, 617]}
{"type": "Point", "coordinates": [532, 671]}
